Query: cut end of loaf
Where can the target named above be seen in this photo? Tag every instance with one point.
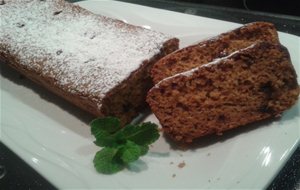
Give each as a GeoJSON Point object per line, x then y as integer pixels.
{"type": "Point", "coordinates": [250, 85]}
{"type": "Point", "coordinates": [128, 99]}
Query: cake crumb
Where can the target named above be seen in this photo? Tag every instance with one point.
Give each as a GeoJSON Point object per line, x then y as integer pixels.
{"type": "Point", "coordinates": [181, 165]}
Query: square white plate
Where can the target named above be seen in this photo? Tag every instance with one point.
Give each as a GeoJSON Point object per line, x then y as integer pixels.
{"type": "Point", "coordinates": [54, 138]}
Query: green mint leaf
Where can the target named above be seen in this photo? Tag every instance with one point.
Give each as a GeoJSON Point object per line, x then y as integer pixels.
{"type": "Point", "coordinates": [144, 149]}
{"type": "Point", "coordinates": [104, 129]}
{"type": "Point", "coordinates": [143, 134]}
{"type": "Point", "coordinates": [106, 161]}
{"type": "Point", "coordinates": [103, 140]}
{"type": "Point", "coordinates": [108, 124]}
{"type": "Point", "coordinates": [121, 145]}
{"type": "Point", "coordinates": [130, 152]}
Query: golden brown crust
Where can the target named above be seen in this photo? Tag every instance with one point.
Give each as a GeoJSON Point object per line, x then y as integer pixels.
{"type": "Point", "coordinates": [253, 84]}
{"type": "Point", "coordinates": [217, 47]}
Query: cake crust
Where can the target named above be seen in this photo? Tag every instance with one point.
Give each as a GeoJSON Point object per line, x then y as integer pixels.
{"type": "Point", "coordinates": [212, 48]}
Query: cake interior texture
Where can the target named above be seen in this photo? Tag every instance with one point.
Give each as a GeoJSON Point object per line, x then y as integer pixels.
{"type": "Point", "coordinates": [252, 84]}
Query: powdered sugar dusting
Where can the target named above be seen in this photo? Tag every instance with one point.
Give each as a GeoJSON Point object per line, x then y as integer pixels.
{"type": "Point", "coordinates": [87, 53]}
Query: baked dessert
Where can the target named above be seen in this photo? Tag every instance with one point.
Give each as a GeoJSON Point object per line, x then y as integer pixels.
{"type": "Point", "coordinates": [216, 47]}
{"type": "Point", "coordinates": [251, 84]}
{"type": "Point", "coordinates": [98, 63]}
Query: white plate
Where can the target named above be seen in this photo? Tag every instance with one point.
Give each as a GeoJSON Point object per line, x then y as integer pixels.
{"type": "Point", "coordinates": [53, 136]}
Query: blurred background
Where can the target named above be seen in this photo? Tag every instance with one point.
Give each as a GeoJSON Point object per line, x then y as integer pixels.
{"type": "Point", "coordinates": [287, 7]}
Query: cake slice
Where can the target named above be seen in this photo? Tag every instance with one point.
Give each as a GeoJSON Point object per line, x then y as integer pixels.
{"type": "Point", "coordinates": [216, 47]}
{"type": "Point", "coordinates": [252, 84]}
{"type": "Point", "coordinates": [98, 63]}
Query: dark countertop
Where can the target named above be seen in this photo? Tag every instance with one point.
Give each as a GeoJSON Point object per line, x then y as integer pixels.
{"type": "Point", "coordinates": [284, 23]}
{"type": "Point", "coordinates": [16, 174]}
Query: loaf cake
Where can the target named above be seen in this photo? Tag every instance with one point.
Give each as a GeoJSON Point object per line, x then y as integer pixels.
{"type": "Point", "coordinates": [98, 63]}
{"type": "Point", "coordinates": [249, 85]}
{"type": "Point", "coordinates": [216, 47]}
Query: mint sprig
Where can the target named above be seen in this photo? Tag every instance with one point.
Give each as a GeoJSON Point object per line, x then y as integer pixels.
{"type": "Point", "coordinates": [120, 145]}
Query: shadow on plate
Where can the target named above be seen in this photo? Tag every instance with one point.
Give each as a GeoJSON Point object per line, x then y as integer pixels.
{"type": "Point", "coordinates": [137, 166]}
{"type": "Point", "coordinates": [21, 81]}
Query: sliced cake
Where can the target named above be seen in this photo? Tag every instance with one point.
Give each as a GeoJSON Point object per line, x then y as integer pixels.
{"type": "Point", "coordinates": [252, 84]}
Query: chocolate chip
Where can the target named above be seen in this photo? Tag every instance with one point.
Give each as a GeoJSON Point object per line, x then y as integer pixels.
{"type": "Point", "coordinates": [221, 118]}
{"type": "Point", "coordinates": [209, 82]}
{"type": "Point", "coordinates": [57, 12]}
{"type": "Point", "coordinates": [265, 109]}
{"type": "Point", "coordinates": [225, 67]}
{"type": "Point", "coordinates": [185, 58]}
{"type": "Point", "coordinates": [20, 25]}
{"type": "Point", "coordinates": [89, 60]}
{"type": "Point", "coordinates": [229, 104]}
{"type": "Point", "coordinates": [171, 62]}
{"type": "Point", "coordinates": [267, 88]}
{"type": "Point", "coordinates": [249, 62]}
{"type": "Point", "coordinates": [126, 107]}
{"type": "Point", "coordinates": [173, 85]}
{"type": "Point", "coordinates": [59, 52]}
{"type": "Point", "coordinates": [182, 106]}
{"type": "Point", "coordinates": [290, 83]}
{"type": "Point", "coordinates": [247, 59]}
{"type": "Point", "coordinates": [92, 37]}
